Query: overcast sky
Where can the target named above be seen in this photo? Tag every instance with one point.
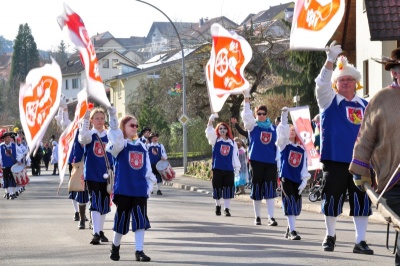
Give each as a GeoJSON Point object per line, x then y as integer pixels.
{"type": "Point", "coordinates": [122, 18]}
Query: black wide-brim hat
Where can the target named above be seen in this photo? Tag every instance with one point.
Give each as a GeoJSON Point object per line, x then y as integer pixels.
{"type": "Point", "coordinates": [390, 62]}
{"type": "Point", "coordinates": [152, 135]}
{"type": "Point", "coordinates": [9, 134]}
{"type": "Point", "coordinates": [145, 129]}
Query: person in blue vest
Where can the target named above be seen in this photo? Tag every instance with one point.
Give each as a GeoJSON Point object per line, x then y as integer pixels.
{"type": "Point", "coordinates": [341, 113]}
{"type": "Point", "coordinates": [263, 154]}
{"type": "Point", "coordinates": [134, 181]}
{"type": "Point", "coordinates": [156, 153]}
{"type": "Point", "coordinates": [225, 163]}
{"type": "Point", "coordinates": [293, 172]}
{"type": "Point", "coordinates": [144, 135]}
{"type": "Point", "coordinates": [10, 154]}
{"type": "Point", "coordinates": [95, 169]}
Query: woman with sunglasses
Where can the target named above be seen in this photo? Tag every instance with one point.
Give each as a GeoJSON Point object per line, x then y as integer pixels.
{"type": "Point", "coordinates": [263, 155]}
{"type": "Point", "coordinates": [225, 163]}
{"type": "Point", "coordinates": [134, 181]}
{"type": "Point", "coordinates": [95, 168]}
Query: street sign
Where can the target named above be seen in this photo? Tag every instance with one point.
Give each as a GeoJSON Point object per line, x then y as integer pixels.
{"type": "Point", "coordinates": [183, 119]}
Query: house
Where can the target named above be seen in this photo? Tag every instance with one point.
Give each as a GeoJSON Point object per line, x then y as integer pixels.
{"type": "Point", "coordinates": [278, 12]}
{"type": "Point", "coordinates": [111, 63]}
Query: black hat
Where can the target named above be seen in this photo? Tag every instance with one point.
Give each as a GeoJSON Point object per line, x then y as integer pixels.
{"type": "Point", "coordinates": [145, 129]}
{"type": "Point", "coordinates": [152, 135]}
{"type": "Point", "coordinates": [9, 134]}
{"type": "Point", "coordinates": [391, 62]}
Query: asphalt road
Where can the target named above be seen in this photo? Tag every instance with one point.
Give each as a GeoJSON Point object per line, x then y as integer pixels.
{"type": "Point", "coordinates": [37, 229]}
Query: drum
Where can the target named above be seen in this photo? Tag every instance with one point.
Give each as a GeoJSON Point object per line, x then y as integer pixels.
{"type": "Point", "coordinates": [165, 170]}
{"type": "Point", "coordinates": [19, 173]}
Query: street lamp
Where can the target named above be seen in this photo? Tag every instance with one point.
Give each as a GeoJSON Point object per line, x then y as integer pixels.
{"type": "Point", "coordinates": [184, 117]}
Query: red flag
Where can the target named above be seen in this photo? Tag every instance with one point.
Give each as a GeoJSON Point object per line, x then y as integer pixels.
{"type": "Point", "coordinates": [67, 138]}
{"type": "Point", "coordinates": [39, 99]}
{"type": "Point", "coordinates": [80, 38]}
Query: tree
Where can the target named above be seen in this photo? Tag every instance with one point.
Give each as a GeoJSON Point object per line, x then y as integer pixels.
{"type": "Point", "coordinates": [61, 54]}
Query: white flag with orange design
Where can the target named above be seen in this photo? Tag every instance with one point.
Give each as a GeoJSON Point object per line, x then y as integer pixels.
{"type": "Point", "coordinates": [80, 38]}
{"type": "Point", "coordinates": [230, 53]}
{"type": "Point", "coordinates": [39, 99]}
{"type": "Point", "coordinates": [67, 138]}
{"type": "Point", "coordinates": [302, 124]}
{"type": "Point", "coordinates": [314, 22]}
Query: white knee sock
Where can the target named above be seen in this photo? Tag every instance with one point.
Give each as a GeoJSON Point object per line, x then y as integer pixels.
{"type": "Point", "coordinates": [257, 207]}
{"type": "Point", "coordinates": [102, 220]}
{"type": "Point", "coordinates": [291, 219]}
{"type": "Point", "coordinates": [117, 239]}
{"type": "Point", "coordinates": [139, 239]}
{"type": "Point", "coordinates": [271, 207]}
{"type": "Point", "coordinates": [361, 223]}
{"type": "Point", "coordinates": [227, 203]}
{"type": "Point", "coordinates": [159, 186]}
{"type": "Point", "coordinates": [96, 221]}
{"type": "Point", "coordinates": [75, 204]}
{"type": "Point", "coordinates": [330, 224]}
{"type": "Point", "coordinates": [218, 202]}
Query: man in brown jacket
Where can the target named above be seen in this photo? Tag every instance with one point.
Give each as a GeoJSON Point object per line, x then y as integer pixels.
{"type": "Point", "coordinates": [378, 141]}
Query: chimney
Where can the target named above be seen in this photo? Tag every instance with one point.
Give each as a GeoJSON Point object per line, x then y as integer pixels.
{"type": "Point", "coordinates": [201, 22]}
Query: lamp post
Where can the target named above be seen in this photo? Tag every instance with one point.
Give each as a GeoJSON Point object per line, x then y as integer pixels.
{"type": "Point", "coordinates": [184, 117]}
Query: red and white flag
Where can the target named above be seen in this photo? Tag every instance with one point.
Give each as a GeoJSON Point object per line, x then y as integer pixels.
{"type": "Point", "coordinates": [230, 54]}
{"type": "Point", "coordinates": [39, 99]}
{"type": "Point", "coordinates": [314, 22]}
{"type": "Point", "coordinates": [302, 124]}
{"type": "Point", "coordinates": [80, 38]}
{"type": "Point", "coordinates": [67, 138]}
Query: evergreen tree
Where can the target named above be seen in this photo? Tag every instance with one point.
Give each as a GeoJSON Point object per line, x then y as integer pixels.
{"type": "Point", "coordinates": [61, 55]}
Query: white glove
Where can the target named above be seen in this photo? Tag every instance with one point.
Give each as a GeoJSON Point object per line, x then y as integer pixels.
{"type": "Point", "coordinates": [149, 187]}
{"type": "Point", "coordinates": [87, 115]}
{"type": "Point", "coordinates": [63, 103]}
{"type": "Point", "coordinates": [303, 185]}
{"type": "Point", "coordinates": [212, 117]}
{"type": "Point", "coordinates": [112, 113]}
{"type": "Point", "coordinates": [85, 124]}
{"type": "Point", "coordinates": [246, 93]}
{"type": "Point", "coordinates": [237, 172]}
{"type": "Point", "coordinates": [333, 51]}
{"type": "Point", "coordinates": [284, 116]}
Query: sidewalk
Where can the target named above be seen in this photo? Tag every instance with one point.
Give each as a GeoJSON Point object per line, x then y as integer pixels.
{"type": "Point", "coordinates": [185, 182]}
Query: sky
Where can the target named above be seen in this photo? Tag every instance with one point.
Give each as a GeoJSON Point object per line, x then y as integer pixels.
{"type": "Point", "coordinates": [122, 18]}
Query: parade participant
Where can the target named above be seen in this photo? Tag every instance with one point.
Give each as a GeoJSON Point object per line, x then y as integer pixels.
{"type": "Point", "coordinates": [225, 163]}
{"type": "Point", "coordinates": [133, 183]}
{"type": "Point", "coordinates": [378, 142]}
{"type": "Point", "coordinates": [10, 154]}
{"type": "Point", "coordinates": [54, 157]}
{"type": "Point", "coordinates": [263, 155]}
{"type": "Point", "coordinates": [293, 173]}
{"type": "Point", "coordinates": [243, 177]}
{"type": "Point", "coordinates": [156, 153]}
{"type": "Point", "coordinates": [24, 149]}
{"type": "Point", "coordinates": [341, 113]}
{"type": "Point", "coordinates": [95, 168]}
{"type": "Point", "coordinates": [47, 156]}
{"type": "Point", "coordinates": [78, 198]}
{"type": "Point", "coordinates": [144, 135]}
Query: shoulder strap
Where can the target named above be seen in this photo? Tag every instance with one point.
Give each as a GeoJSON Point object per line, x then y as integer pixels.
{"type": "Point", "coordinates": [104, 151]}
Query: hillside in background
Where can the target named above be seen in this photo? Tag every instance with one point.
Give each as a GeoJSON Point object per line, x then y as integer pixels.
{"type": "Point", "coordinates": [6, 46]}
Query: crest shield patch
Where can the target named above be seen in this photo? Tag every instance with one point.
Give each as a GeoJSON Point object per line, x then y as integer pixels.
{"type": "Point", "coordinates": [97, 150]}
{"type": "Point", "coordinates": [354, 114]}
{"type": "Point", "coordinates": [295, 158]}
{"type": "Point", "coordinates": [136, 159]}
{"type": "Point", "coordinates": [265, 137]}
{"type": "Point", "coordinates": [225, 150]}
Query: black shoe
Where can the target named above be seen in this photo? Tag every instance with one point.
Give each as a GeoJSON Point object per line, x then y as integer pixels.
{"type": "Point", "coordinates": [362, 248]}
{"type": "Point", "coordinates": [293, 236]}
{"type": "Point", "coordinates": [16, 194]}
{"type": "Point", "coordinates": [272, 222]}
{"type": "Point", "coordinates": [76, 216]}
{"type": "Point", "coordinates": [286, 235]}
{"type": "Point", "coordinates": [12, 196]}
{"type": "Point", "coordinates": [7, 196]}
{"type": "Point", "coordinates": [329, 243]}
{"type": "Point", "coordinates": [95, 239]}
{"type": "Point", "coordinates": [159, 192]}
{"type": "Point", "coordinates": [140, 256]}
{"type": "Point", "coordinates": [218, 210]}
{"type": "Point", "coordinates": [226, 212]}
{"type": "Point", "coordinates": [103, 238]}
{"type": "Point", "coordinates": [114, 252]}
{"type": "Point", "coordinates": [257, 221]}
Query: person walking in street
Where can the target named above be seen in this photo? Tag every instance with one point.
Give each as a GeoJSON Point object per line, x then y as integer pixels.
{"type": "Point", "coordinates": [243, 177]}
{"type": "Point", "coordinates": [225, 164]}
{"type": "Point", "coordinates": [378, 142]}
{"type": "Point", "coordinates": [54, 157]}
{"type": "Point", "coordinates": [341, 113]}
{"type": "Point", "coordinates": [293, 172]}
{"type": "Point", "coordinates": [156, 153]}
{"type": "Point", "coordinates": [95, 168]}
{"type": "Point", "coordinates": [47, 156]}
{"type": "Point", "coordinates": [263, 155]}
{"type": "Point", "coordinates": [133, 183]}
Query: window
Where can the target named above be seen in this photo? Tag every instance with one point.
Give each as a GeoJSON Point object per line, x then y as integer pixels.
{"type": "Point", "coordinates": [66, 84]}
{"type": "Point", "coordinates": [75, 83]}
{"type": "Point", "coordinates": [366, 78]}
{"type": "Point", "coordinates": [105, 63]}
{"type": "Point", "coordinates": [114, 63]}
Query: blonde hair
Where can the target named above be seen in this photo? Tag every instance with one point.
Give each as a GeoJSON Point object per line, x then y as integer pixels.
{"type": "Point", "coordinates": [98, 110]}
{"type": "Point", "coordinates": [238, 140]}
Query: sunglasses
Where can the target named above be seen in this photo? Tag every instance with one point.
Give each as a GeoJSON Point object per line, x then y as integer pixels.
{"type": "Point", "coordinates": [134, 125]}
{"type": "Point", "coordinates": [263, 114]}
{"type": "Point", "coordinates": [222, 128]}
